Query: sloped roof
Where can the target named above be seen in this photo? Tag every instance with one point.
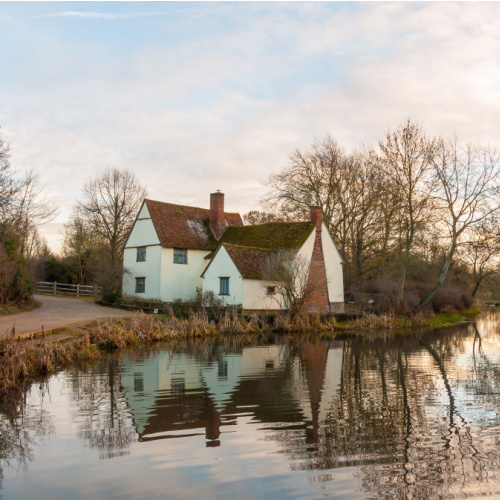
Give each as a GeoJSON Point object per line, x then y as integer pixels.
{"type": "Point", "coordinates": [250, 246]}
{"type": "Point", "coordinates": [273, 235]}
{"type": "Point", "coordinates": [181, 226]}
{"type": "Point", "coordinates": [250, 261]}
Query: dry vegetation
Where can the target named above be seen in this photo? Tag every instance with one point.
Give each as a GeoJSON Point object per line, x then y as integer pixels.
{"type": "Point", "coordinates": [21, 360]}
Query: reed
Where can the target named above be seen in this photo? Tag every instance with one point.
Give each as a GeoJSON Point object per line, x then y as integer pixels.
{"type": "Point", "coordinates": [20, 360]}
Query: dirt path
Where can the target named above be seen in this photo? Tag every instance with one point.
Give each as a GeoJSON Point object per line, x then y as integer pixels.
{"type": "Point", "coordinates": [57, 312]}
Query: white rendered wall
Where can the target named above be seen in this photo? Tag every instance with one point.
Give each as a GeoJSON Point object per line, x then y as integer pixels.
{"type": "Point", "coordinates": [223, 267]}
{"type": "Point", "coordinates": [148, 269]}
{"type": "Point", "coordinates": [179, 281]}
{"type": "Point", "coordinates": [255, 296]}
{"type": "Point", "coordinates": [306, 250]}
{"type": "Point", "coordinates": [143, 234]}
{"type": "Point", "coordinates": [334, 268]}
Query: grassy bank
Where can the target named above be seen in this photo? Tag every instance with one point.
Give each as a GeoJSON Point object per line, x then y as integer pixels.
{"type": "Point", "coordinates": [398, 324]}
{"type": "Point", "coordinates": [10, 308]}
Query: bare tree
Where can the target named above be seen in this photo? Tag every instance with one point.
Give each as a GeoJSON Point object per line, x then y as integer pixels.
{"type": "Point", "coordinates": [288, 272]}
{"type": "Point", "coordinates": [346, 186]}
{"type": "Point", "coordinates": [30, 208]}
{"type": "Point", "coordinates": [82, 245]}
{"type": "Point", "coordinates": [111, 202]}
{"type": "Point", "coordinates": [255, 217]}
{"type": "Point", "coordinates": [310, 179]}
{"type": "Point", "coordinates": [469, 180]}
{"type": "Point", "coordinates": [481, 251]}
{"type": "Point", "coordinates": [406, 159]}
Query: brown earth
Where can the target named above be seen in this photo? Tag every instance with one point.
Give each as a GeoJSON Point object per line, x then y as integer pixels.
{"type": "Point", "coordinates": [57, 312]}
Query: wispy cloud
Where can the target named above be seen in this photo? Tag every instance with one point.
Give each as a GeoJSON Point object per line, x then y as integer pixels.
{"type": "Point", "coordinates": [101, 15]}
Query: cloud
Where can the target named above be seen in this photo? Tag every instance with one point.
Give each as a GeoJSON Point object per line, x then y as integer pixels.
{"type": "Point", "coordinates": [217, 96]}
{"type": "Point", "coordinates": [100, 15]}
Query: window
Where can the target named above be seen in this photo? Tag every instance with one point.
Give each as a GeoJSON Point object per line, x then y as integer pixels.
{"type": "Point", "coordinates": [138, 382]}
{"type": "Point", "coordinates": [271, 290]}
{"type": "Point", "coordinates": [140, 285]}
{"type": "Point", "coordinates": [224, 286]}
{"type": "Point", "coordinates": [141, 254]}
{"type": "Point", "coordinates": [223, 365]}
{"type": "Point", "coordinates": [180, 256]}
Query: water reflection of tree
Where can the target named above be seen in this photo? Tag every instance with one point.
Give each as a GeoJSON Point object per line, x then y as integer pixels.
{"type": "Point", "coordinates": [22, 424]}
{"type": "Point", "coordinates": [100, 408]}
{"type": "Point", "coordinates": [398, 418]}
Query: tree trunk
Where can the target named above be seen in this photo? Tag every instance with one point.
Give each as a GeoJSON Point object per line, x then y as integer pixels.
{"type": "Point", "coordinates": [443, 274]}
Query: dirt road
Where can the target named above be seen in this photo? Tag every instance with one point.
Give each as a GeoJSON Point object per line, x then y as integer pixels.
{"type": "Point", "coordinates": [57, 312]}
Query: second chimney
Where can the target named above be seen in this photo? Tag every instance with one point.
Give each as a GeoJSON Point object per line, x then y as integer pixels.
{"type": "Point", "coordinates": [217, 218]}
{"type": "Point", "coordinates": [317, 217]}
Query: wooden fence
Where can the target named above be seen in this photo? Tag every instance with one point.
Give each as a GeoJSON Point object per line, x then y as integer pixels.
{"type": "Point", "coordinates": [54, 288]}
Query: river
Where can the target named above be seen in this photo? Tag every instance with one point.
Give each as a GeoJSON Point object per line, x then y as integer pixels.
{"type": "Point", "coordinates": [409, 417]}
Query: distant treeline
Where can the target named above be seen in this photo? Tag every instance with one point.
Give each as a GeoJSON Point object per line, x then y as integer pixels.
{"type": "Point", "coordinates": [416, 219]}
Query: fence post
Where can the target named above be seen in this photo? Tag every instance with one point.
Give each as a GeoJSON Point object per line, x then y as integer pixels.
{"type": "Point", "coordinates": [55, 287]}
{"type": "Point", "coordinates": [78, 291]}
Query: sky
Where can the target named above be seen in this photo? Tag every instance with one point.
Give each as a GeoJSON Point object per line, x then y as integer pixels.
{"type": "Point", "coordinates": [195, 97]}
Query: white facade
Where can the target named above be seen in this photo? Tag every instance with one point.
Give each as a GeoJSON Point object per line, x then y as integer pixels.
{"type": "Point", "coordinates": [164, 279]}
{"type": "Point", "coordinates": [223, 267]}
{"type": "Point", "coordinates": [334, 268]}
{"type": "Point", "coordinates": [158, 277]}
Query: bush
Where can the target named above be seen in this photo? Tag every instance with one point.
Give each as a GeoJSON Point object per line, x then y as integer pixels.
{"type": "Point", "coordinates": [110, 297]}
{"type": "Point", "coordinates": [451, 299]}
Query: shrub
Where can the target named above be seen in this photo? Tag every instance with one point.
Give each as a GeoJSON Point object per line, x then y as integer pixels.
{"type": "Point", "coordinates": [448, 298]}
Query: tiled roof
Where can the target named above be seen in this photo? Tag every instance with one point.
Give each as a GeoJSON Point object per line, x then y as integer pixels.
{"type": "Point", "coordinates": [250, 261]}
{"type": "Point", "coordinates": [273, 235]}
{"type": "Point", "coordinates": [179, 226]}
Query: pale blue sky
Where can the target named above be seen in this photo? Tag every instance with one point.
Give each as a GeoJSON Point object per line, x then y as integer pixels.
{"type": "Point", "coordinates": [195, 97]}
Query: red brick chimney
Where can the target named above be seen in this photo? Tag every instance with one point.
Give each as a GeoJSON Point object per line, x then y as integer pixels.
{"type": "Point", "coordinates": [217, 218]}
{"type": "Point", "coordinates": [318, 300]}
{"type": "Point", "coordinates": [317, 217]}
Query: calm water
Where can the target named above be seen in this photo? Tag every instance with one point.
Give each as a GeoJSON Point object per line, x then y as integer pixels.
{"type": "Point", "coordinates": [408, 418]}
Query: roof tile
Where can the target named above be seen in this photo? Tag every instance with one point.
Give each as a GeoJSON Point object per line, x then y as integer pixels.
{"type": "Point", "coordinates": [180, 226]}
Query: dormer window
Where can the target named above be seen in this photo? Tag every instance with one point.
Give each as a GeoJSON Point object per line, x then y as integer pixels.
{"type": "Point", "coordinates": [141, 254]}
{"type": "Point", "coordinates": [180, 255]}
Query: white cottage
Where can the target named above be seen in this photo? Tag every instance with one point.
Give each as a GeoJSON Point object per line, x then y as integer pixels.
{"type": "Point", "coordinates": [173, 250]}
{"type": "Point", "coordinates": [165, 252]}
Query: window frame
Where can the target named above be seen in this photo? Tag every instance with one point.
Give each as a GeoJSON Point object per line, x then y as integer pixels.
{"type": "Point", "coordinates": [184, 254]}
{"type": "Point", "coordinates": [224, 290]}
{"type": "Point", "coordinates": [141, 251]}
{"type": "Point", "coordinates": [143, 284]}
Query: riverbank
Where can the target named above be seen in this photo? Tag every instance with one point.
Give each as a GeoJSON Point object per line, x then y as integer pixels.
{"type": "Point", "coordinates": [21, 360]}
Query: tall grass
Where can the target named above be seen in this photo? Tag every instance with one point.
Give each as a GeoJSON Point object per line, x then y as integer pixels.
{"type": "Point", "coordinates": [19, 360]}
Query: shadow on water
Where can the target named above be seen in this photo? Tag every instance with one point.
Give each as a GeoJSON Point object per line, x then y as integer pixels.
{"type": "Point", "coordinates": [408, 417]}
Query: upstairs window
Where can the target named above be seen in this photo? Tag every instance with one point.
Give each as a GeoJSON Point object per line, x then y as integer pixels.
{"type": "Point", "coordinates": [141, 254]}
{"type": "Point", "coordinates": [180, 256]}
{"type": "Point", "coordinates": [140, 285]}
{"type": "Point", "coordinates": [271, 290]}
{"type": "Point", "coordinates": [224, 286]}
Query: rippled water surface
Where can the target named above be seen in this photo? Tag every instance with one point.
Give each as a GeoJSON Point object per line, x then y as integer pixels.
{"type": "Point", "coordinates": [414, 417]}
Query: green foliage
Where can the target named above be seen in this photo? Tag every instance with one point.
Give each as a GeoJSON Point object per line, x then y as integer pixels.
{"type": "Point", "coordinates": [111, 297]}
{"type": "Point", "coordinates": [16, 285]}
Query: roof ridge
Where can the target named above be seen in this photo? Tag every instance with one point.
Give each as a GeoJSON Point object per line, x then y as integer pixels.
{"type": "Point", "coordinates": [186, 206]}
{"type": "Point", "coordinates": [248, 246]}
{"type": "Point", "coordinates": [280, 222]}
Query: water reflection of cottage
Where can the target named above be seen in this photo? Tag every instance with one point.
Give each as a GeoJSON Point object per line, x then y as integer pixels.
{"type": "Point", "coordinates": [178, 394]}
